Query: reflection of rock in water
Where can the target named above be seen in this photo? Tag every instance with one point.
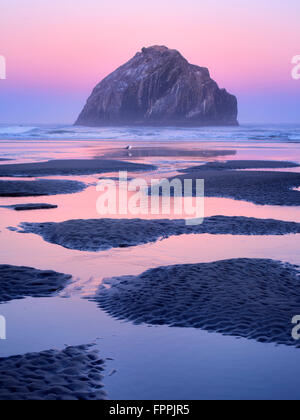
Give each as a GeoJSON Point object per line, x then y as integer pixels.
{"type": "Point", "coordinates": [19, 282]}
{"type": "Point", "coordinates": [102, 234]}
{"type": "Point", "coordinates": [74, 373]}
{"type": "Point", "coordinates": [167, 152]}
{"type": "Point", "coordinates": [251, 298]}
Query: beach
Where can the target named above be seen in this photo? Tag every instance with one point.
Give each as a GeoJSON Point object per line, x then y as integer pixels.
{"type": "Point", "coordinates": [173, 311]}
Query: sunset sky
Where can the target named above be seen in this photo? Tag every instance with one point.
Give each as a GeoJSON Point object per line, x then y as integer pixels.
{"type": "Point", "coordinates": [57, 50]}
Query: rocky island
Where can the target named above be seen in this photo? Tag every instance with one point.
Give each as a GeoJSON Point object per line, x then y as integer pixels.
{"type": "Point", "coordinates": [158, 86]}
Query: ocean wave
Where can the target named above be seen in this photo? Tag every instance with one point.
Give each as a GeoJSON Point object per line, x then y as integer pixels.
{"type": "Point", "coordinates": [16, 130]}
{"type": "Point", "coordinates": [221, 134]}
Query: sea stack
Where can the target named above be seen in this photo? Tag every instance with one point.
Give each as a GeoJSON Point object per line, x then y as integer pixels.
{"type": "Point", "coordinates": [159, 87]}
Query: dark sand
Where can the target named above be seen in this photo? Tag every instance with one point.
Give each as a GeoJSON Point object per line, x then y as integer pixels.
{"type": "Point", "coordinates": [74, 373]}
{"type": "Point", "coordinates": [31, 206]}
{"type": "Point", "coordinates": [251, 298]}
{"type": "Point", "coordinates": [259, 187]}
{"type": "Point", "coordinates": [102, 234]}
{"type": "Point", "coordinates": [20, 282]}
{"type": "Point", "coordinates": [39, 188]}
{"type": "Point", "coordinates": [244, 164]}
{"type": "Point", "coordinates": [70, 167]}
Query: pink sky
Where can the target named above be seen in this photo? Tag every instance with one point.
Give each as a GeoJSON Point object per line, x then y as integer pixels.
{"type": "Point", "coordinates": [57, 50]}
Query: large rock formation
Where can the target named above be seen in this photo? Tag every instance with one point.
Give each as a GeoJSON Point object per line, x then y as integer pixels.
{"type": "Point", "coordinates": [158, 86]}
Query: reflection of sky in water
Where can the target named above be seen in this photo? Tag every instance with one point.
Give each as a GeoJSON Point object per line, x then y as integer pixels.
{"type": "Point", "coordinates": [36, 150]}
{"type": "Point", "coordinates": [156, 362]}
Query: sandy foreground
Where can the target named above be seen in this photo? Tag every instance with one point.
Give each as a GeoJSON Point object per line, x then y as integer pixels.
{"type": "Point", "coordinates": [246, 297]}
{"type": "Point", "coordinates": [74, 373]}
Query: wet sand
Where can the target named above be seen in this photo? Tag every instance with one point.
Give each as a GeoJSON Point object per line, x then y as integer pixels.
{"type": "Point", "coordinates": [102, 234]}
{"type": "Point", "coordinates": [70, 167]}
{"type": "Point", "coordinates": [250, 298]}
{"type": "Point", "coordinates": [244, 164]}
{"type": "Point", "coordinates": [74, 373]}
{"type": "Point", "coordinates": [265, 282]}
{"type": "Point", "coordinates": [19, 282]}
{"type": "Point", "coordinates": [39, 188]}
{"type": "Point", "coordinates": [31, 206]}
{"type": "Point", "coordinates": [259, 187]}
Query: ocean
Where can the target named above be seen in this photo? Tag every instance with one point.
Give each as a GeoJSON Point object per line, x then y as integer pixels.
{"type": "Point", "coordinates": [243, 133]}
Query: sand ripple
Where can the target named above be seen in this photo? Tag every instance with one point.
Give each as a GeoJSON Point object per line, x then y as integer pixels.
{"type": "Point", "coordinates": [19, 282]}
{"type": "Point", "coordinates": [250, 298]}
{"type": "Point", "coordinates": [71, 374]}
{"type": "Point", "coordinates": [39, 188]}
{"type": "Point", "coordinates": [259, 187]}
{"type": "Point", "coordinates": [101, 234]}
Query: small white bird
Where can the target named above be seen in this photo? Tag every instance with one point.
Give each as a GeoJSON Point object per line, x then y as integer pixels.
{"type": "Point", "coordinates": [129, 147]}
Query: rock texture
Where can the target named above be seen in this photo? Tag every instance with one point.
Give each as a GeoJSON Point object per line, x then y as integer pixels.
{"type": "Point", "coordinates": [158, 86]}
